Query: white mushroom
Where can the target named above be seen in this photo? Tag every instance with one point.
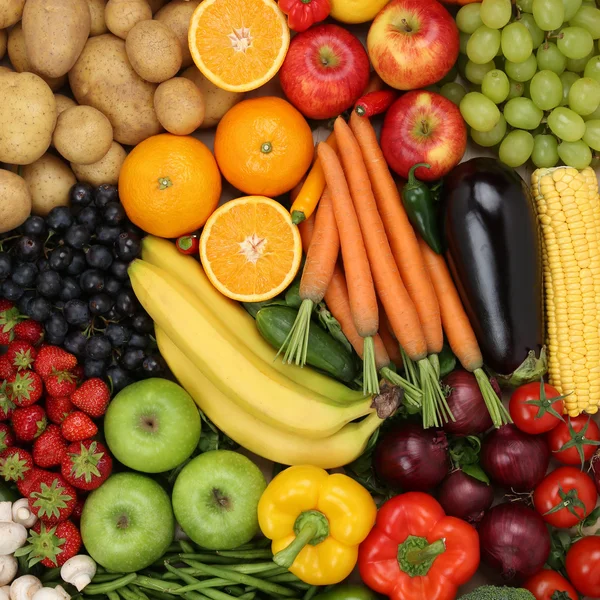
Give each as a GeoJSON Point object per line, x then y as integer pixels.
{"type": "Point", "coordinates": [78, 570]}
{"type": "Point", "coordinates": [22, 514]}
{"type": "Point", "coordinates": [48, 593]}
{"type": "Point", "coordinates": [24, 587]}
{"type": "Point", "coordinates": [5, 592]}
{"type": "Point", "coordinates": [8, 569]}
{"type": "Point", "coordinates": [12, 537]}
{"type": "Point", "coordinates": [6, 511]}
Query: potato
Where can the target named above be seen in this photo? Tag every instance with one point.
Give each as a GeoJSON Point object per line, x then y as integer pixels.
{"type": "Point", "coordinates": [15, 201]}
{"type": "Point", "coordinates": [153, 51]}
{"type": "Point", "coordinates": [98, 24]}
{"type": "Point", "coordinates": [63, 102]}
{"type": "Point", "coordinates": [122, 15]}
{"type": "Point", "coordinates": [83, 135]}
{"type": "Point", "coordinates": [104, 78]}
{"type": "Point", "coordinates": [179, 106]}
{"type": "Point", "coordinates": [28, 116]}
{"type": "Point", "coordinates": [216, 101]}
{"type": "Point", "coordinates": [49, 180]}
{"type": "Point", "coordinates": [5, 70]}
{"type": "Point", "coordinates": [106, 170]}
{"type": "Point", "coordinates": [11, 12]}
{"type": "Point", "coordinates": [156, 5]}
{"type": "Point", "coordinates": [3, 42]}
{"type": "Point", "coordinates": [55, 34]}
{"type": "Point", "coordinates": [177, 15]}
{"type": "Point", "coordinates": [17, 53]}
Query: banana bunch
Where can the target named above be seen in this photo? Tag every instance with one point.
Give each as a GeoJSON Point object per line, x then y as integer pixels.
{"type": "Point", "coordinates": [281, 412]}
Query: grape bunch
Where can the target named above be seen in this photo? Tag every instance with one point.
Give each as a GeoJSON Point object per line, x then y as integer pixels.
{"type": "Point", "coordinates": [69, 272]}
{"type": "Point", "coordinates": [533, 73]}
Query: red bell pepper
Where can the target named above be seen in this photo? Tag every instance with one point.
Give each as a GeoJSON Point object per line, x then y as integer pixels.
{"type": "Point", "coordinates": [302, 14]}
{"type": "Point", "coordinates": [416, 552]}
{"type": "Point", "coordinates": [375, 103]}
{"type": "Point", "coordinates": [188, 244]}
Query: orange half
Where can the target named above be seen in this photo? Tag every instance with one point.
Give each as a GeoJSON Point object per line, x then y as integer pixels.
{"type": "Point", "coordinates": [250, 250]}
{"type": "Point", "coordinates": [238, 44]}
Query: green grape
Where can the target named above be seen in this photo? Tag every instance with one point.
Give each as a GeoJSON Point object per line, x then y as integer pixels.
{"type": "Point", "coordinates": [516, 148]}
{"type": "Point", "coordinates": [461, 64]}
{"type": "Point", "coordinates": [548, 14]}
{"type": "Point", "coordinates": [592, 68]}
{"type": "Point", "coordinates": [516, 42]}
{"type": "Point", "coordinates": [488, 139]}
{"type": "Point", "coordinates": [578, 65]}
{"type": "Point", "coordinates": [537, 35]}
{"type": "Point", "coordinates": [522, 113]}
{"type": "Point", "coordinates": [496, 13]}
{"type": "Point", "coordinates": [566, 124]}
{"type": "Point", "coordinates": [453, 91]}
{"type": "Point", "coordinates": [451, 75]}
{"type": "Point", "coordinates": [588, 17]}
{"type": "Point", "coordinates": [575, 154]}
{"type": "Point", "coordinates": [468, 18]}
{"type": "Point", "coordinates": [575, 42]}
{"type": "Point", "coordinates": [516, 89]}
{"type": "Point", "coordinates": [592, 134]}
{"type": "Point", "coordinates": [479, 112]}
{"type": "Point", "coordinates": [571, 8]}
{"type": "Point", "coordinates": [523, 71]}
{"type": "Point", "coordinates": [593, 116]}
{"type": "Point", "coordinates": [568, 78]}
{"type": "Point", "coordinates": [525, 6]}
{"type": "Point", "coordinates": [475, 73]}
{"type": "Point", "coordinates": [584, 96]}
{"type": "Point", "coordinates": [545, 151]}
{"type": "Point", "coordinates": [527, 89]}
{"type": "Point", "coordinates": [546, 90]}
{"type": "Point", "coordinates": [551, 58]}
{"type": "Point", "coordinates": [483, 45]}
{"type": "Point", "coordinates": [495, 86]}
{"type": "Point", "coordinates": [464, 40]}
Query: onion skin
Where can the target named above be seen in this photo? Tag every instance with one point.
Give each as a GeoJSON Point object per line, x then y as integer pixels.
{"type": "Point", "coordinates": [412, 458]}
{"type": "Point", "coordinates": [514, 459]}
{"type": "Point", "coordinates": [465, 497]}
{"type": "Point", "coordinates": [466, 403]}
{"type": "Point", "coordinates": [514, 541]}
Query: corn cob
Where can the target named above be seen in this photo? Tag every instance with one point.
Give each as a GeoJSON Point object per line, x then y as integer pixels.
{"type": "Point", "coordinates": [568, 210]}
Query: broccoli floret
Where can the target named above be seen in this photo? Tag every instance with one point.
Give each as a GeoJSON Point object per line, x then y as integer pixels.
{"type": "Point", "coordinates": [492, 592]}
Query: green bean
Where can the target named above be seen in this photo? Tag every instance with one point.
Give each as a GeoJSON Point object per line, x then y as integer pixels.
{"type": "Point", "coordinates": [251, 568]}
{"type": "Point", "coordinates": [284, 578]}
{"type": "Point", "coordinates": [103, 588]}
{"type": "Point", "coordinates": [139, 591]}
{"type": "Point", "coordinates": [186, 547]}
{"type": "Point", "coordinates": [174, 547]}
{"type": "Point", "coordinates": [246, 554]}
{"type": "Point", "coordinates": [50, 575]}
{"type": "Point", "coordinates": [312, 590]}
{"type": "Point", "coordinates": [210, 593]}
{"type": "Point", "coordinates": [209, 558]}
{"type": "Point", "coordinates": [236, 590]}
{"type": "Point", "coordinates": [247, 596]}
{"type": "Point", "coordinates": [104, 577]}
{"type": "Point", "coordinates": [128, 594]}
{"type": "Point", "coordinates": [159, 595]}
{"type": "Point", "coordinates": [112, 596]}
{"type": "Point", "coordinates": [156, 584]}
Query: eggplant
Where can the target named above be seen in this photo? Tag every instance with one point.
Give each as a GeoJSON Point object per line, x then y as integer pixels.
{"type": "Point", "coordinates": [494, 255]}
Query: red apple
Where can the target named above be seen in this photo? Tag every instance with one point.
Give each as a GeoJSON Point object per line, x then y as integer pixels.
{"type": "Point", "coordinates": [325, 71]}
{"type": "Point", "coordinates": [413, 43]}
{"type": "Point", "coordinates": [423, 127]}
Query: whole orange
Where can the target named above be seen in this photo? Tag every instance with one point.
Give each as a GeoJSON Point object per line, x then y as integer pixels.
{"type": "Point", "coordinates": [263, 146]}
{"type": "Point", "coordinates": [169, 185]}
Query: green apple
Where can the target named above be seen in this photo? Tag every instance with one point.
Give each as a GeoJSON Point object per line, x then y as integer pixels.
{"type": "Point", "coordinates": [152, 425]}
{"type": "Point", "coordinates": [215, 499]}
{"type": "Point", "coordinates": [127, 523]}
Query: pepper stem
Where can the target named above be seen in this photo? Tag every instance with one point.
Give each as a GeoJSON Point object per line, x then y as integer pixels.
{"type": "Point", "coordinates": [412, 180]}
{"type": "Point", "coordinates": [416, 555]}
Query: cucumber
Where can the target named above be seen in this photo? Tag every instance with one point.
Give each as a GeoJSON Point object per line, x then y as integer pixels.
{"type": "Point", "coordinates": [324, 353]}
{"type": "Point", "coordinates": [292, 295]}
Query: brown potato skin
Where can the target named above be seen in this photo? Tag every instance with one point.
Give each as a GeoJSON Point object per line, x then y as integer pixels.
{"type": "Point", "coordinates": [179, 106]}
{"type": "Point", "coordinates": [177, 15]}
{"type": "Point", "coordinates": [156, 5]}
{"type": "Point", "coordinates": [15, 201]}
{"type": "Point", "coordinates": [98, 23]}
{"type": "Point", "coordinates": [122, 15]}
{"type": "Point", "coordinates": [106, 170]}
{"type": "Point", "coordinates": [11, 12]}
{"type": "Point", "coordinates": [63, 102]}
{"type": "Point", "coordinates": [3, 42]}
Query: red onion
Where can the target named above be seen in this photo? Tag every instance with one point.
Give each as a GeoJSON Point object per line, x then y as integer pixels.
{"type": "Point", "coordinates": [514, 541]}
{"type": "Point", "coordinates": [467, 404]}
{"type": "Point", "coordinates": [465, 497]}
{"type": "Point", "coordinates": [412, 458]}
{"type": "Point", "coordinates": [514, 459]}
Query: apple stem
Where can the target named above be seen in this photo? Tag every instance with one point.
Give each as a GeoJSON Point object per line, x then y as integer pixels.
{"type": "Point", "coordinates": [407, 27]}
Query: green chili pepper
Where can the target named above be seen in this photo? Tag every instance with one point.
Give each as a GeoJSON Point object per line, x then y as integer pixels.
{"type": "Point", "coordinates": [418, 203]}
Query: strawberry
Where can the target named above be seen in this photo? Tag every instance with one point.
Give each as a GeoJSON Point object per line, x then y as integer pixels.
{"type": "Point", "coordinates": [86, 465]}
{"type": "Point", "coordinates": [58, 408]}
{"type": "Point", "coordinates": [51, 546]}
{"type": "Point", "coordinates": [21, 354]}
{"type": "Point", "coordinates": [6, 404]}
{"type": "Point", "coordinates": [60, 383]}
{"type": "Point", "coordinates": [78, 426]}
{"type": "Point", "coordinates": [50, 448]}
{"type": "Point", "coordinates": [24, 485]}
{"type": "Point", "coordinates": [92, 397]}
{"type": "Point", "coordinates": [29, 422]}
{"type": "Point", "coordinates": [7, 369]}
{"type": "Point", "coordinates": [15, 463]}
{"type": "Point", "coordinates": [78, 509]}
{"type": "Point", "coordinates": [25, 388]}
{"type": "Point", "coordinates": [79, 373]}
{"type": "Point", "coordinates": [51, 498]}
{"type": "Point", "coordinates": [29, 331]}
{"type": "Point", "coordinates": [7, 438]}
{"type": "Point", "coordinates": [5, 305]}
{"type": "Point", "coordinates": [53, 358]}
{"type": "Point", "coordinates": [8, 319]}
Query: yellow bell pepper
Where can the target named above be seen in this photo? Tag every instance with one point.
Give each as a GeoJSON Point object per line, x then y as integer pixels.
{"type": "Point", "coordinates": [316, 522]}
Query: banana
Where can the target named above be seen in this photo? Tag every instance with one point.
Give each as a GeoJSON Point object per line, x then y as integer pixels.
{"type": "Point", "coordinates": [164, 255]}
{"type": "Point", "coordinates": [253, 434]}
{"type": "Point", "coordinates": [232, 367]}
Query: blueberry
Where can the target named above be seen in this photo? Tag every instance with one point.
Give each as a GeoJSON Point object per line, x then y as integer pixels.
{"type": "Point", "coordinates": [113, 214]}
{"type": "Point", "coordinates": [42, 264]}
{"type": "Point", "coordinates": [59, 219]}
{"type": "Point", "coordinates": [113, 315]}
{"type": "Point", "coordinates": [119, 270]}
{"type": "Point", "coordinates": [24, 302]}
{"type": "Point", "coordinates": [11, 291]}
{"type": "Point", "coordinates": [29, 248]}
{"type": "Point", "coordinates": [112, 286]}
{"type": "Point", "coordinates": [98, 347]}
{"type": "Point", "coordinates": [126, 303]}
{"type": "Point", "coordinates": [119, 378]}
{"type": "Point", "coordinates": [100, 304]}
{"type": "Point", "coordinates": [91, 281]}
{"type": "Point", "coordinates": [39, 309]}
{"type": "Point", "coordinates": [138, 341]}
{"type": "Point", "coordinates": [77, 236]}
{"type": "Point", "coordinates": [132, 359]}
{"type": "Point", "coordinates": [94, 368]}
{"type": "Point", "coordinates": [75, 342]}
{"type": "Point", "coordinates": [78, 264]}
{"type": "Point", "coordinates": [48, 284]}
{"type": "Point", "coordinates": [25, 274]}
{"type": "Point", "coordinates": [70, 289]}
{"type": "Point", "coordinates": [117, 334]}
{"type": "Point", "coordinates": [99, 257]}
{"type": "Point", "coordinates": [81, 195]}
{"type": "Point", "coordinates": [56, 326]}
{"type": "Point", "coordinates": [35, 226]}
{"type": "Point", "coordinates": [5, 265]}
{"type": "Point", "coordinates": [89, 218]}
{"type": "Point", "coordinates": [77, 313]}
{"type": "Point", "coordinates": [128, 246]}
{"type": "Point", "coordinates": [55, 340]}
{"type": "Point", "coordinates": [104, 194]}
{"type": "Point", "coordinates": [153, 365]}
{"type": "Point", "coordinates": [142, 322]}
{"type": "Point", "coordinates": [107, 234]}
{"type": "Point", "coordinates": [60, 258]}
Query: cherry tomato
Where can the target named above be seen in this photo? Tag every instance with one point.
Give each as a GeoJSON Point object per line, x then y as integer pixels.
{"type": "Point", "coordinates": [565, 496]}
{"type": "Point", "coordinates": [583, 565]}
{"type": "Point", "coordinates": [535, 408]}
{"type": "Point", "coordinates": [543, 585]}
{"type": "Point", "coordinates": [577, 432]}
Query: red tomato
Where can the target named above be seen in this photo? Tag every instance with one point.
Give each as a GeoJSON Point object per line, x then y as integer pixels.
{"type": "Point", "coordinates": [543, 414]}
{"type": "Point", "coordinates": [565, 496]}
{"type": "Point", "coordinates": [583, 565]}
{"type": "Point", "coordinates": [583, 432]}
{"type": "Point", "coordinates": [543, 585]}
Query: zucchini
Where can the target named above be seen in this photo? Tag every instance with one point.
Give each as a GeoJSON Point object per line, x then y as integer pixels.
{"type": "Point", "coordinates": [324, 353]}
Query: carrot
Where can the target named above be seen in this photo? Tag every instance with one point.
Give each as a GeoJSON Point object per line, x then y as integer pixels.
{"type": "Point", "coordinates": [459, 332]}
{"type": "Point", "coordinates": [318, 269]}
{"type": "Point", "coordinates": [389, 341]}
{"type": "Point", "coordinates": [306, 229]}
{"type": "Point", "coordinates": [361, 292]}
{"type": "Point", "coordinates": [401, 236]}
